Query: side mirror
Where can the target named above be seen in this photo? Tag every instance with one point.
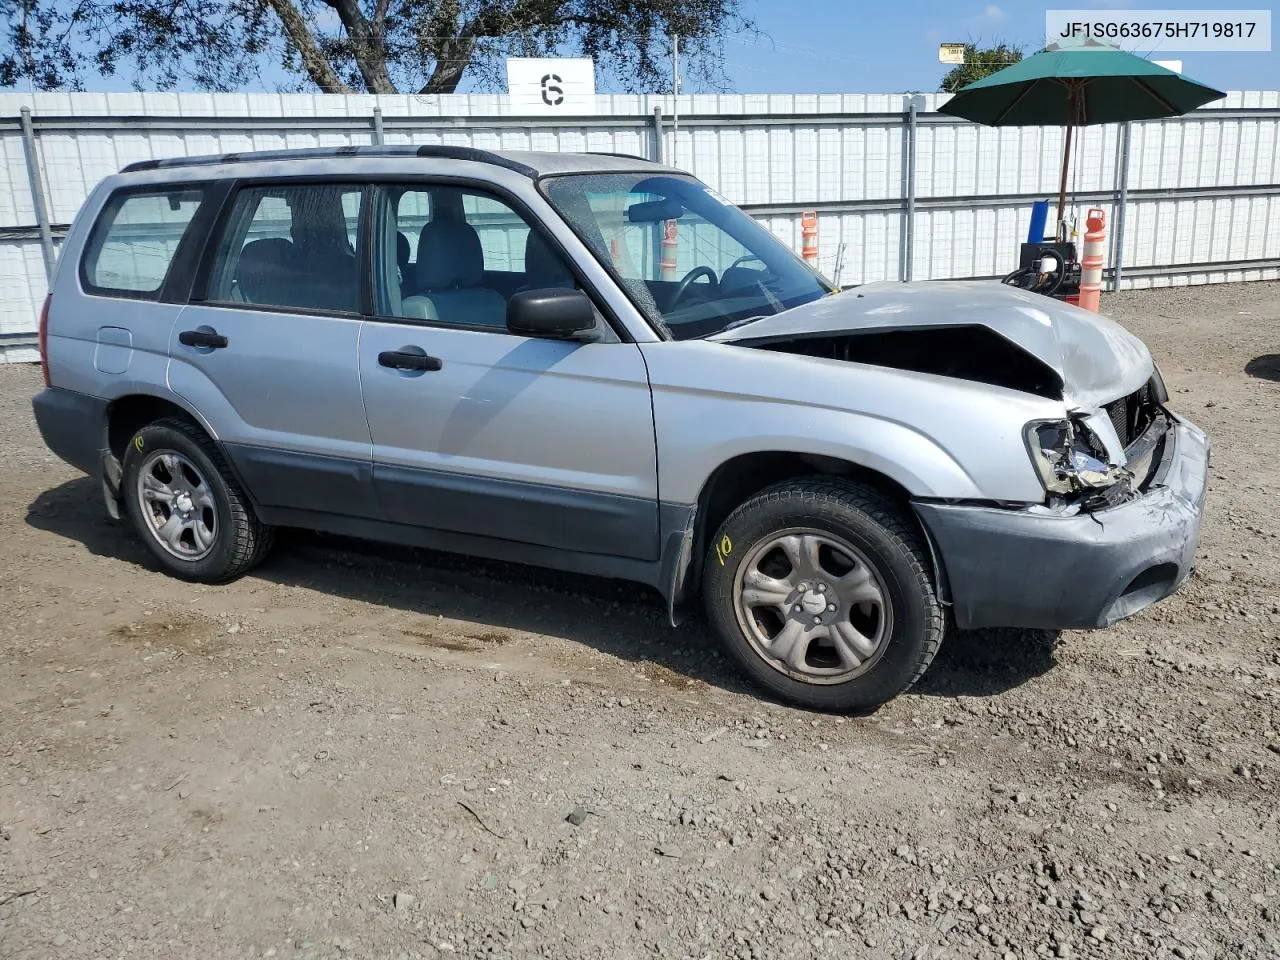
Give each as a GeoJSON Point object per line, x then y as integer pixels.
{"type": "Point", "coordinates": [554, 312]}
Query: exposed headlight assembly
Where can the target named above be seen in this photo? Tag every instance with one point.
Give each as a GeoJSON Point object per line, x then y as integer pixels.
{"type": "Point", "coordinates": [1070, 459]}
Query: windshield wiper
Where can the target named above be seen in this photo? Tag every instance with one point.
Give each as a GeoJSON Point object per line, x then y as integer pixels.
{"type": "Point", "coordinates": [743, 322]}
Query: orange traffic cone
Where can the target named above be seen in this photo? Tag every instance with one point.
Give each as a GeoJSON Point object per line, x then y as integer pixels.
{"type": "Point", "coordinates": [667, 265]}
{"type": "Point", "coordinates": [1091, 263]}
{"type": "Point", "coordinates": [809, 237]}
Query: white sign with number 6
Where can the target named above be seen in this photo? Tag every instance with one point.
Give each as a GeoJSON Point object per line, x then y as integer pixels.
{"type": "Point", "coordinates": [565, 85]}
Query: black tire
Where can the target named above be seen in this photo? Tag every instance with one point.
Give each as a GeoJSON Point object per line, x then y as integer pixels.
{"type": "Point", "coordinates": [888, 539]}
{"type": "Point", "coordinates": [240, 540]}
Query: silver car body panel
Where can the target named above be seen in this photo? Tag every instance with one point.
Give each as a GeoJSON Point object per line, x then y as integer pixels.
{"type": "Point", "coordinates": [285, 394]}
{"type": "Point", "coordinates": [935, 437]}
{"type": "Point", "coordinates": [509, 423]}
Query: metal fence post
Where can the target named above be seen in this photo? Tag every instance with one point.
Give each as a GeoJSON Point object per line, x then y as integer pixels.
{"type": "Point", "coordinates": [377, 127]}
{"type": "Point", "coordinates": [1122, 200]}
{"type": "Point", "coordinates": [658, 136]}
{"type": "Point", "coordinates": [37, 195]}
{"type": "Point", "coordinates": [905, 254]}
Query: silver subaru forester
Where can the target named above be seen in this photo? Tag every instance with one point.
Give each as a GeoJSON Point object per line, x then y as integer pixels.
{"type": "Point", "coordinates": [596, 363]}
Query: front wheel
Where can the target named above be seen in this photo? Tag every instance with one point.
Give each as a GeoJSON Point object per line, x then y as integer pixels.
{"type": "Point", "coordinates": [821, 590]}
{"type": "Point", "coordinates": [186, 505]}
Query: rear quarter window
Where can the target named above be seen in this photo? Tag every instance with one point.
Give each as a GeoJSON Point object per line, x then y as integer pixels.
{"type": "Point", "coordinates": [134, 242]}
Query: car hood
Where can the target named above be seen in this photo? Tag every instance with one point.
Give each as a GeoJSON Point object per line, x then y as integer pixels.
{"type": "Point", "coordinates": [1097, 360]}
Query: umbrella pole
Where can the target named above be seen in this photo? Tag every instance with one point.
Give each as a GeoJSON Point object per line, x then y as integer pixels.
{"type": "Point", "coordinates": [1062, 189]}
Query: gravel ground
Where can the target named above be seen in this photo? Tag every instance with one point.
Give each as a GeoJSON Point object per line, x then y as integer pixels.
{"type": "Point", "coordinates": [369, 752]}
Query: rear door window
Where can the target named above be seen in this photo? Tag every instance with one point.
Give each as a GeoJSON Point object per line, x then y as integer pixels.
{"type": "Point", "coordinates": [290, 247]}
{"type": "Point", "coordinates": [135, 241]}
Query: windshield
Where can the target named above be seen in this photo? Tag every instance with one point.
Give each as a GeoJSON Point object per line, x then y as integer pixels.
{"type": "Point", "coordinates": [693, 262]}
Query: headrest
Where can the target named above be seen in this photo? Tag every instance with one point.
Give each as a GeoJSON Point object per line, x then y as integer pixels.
{"type": "Point", "coordinates": [261, 267]}
{"type": "Point", "coordinates": [402, 249]}
{"type": "Point", "coordinates": [277, 249]}
{"type": "Point", "coordinates": [542, 264]}
{"type": "Point", "coordinates": [449, 256]}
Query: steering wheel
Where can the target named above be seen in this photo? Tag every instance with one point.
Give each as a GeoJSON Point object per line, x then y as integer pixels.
{"type": "Point", "coordinates": [743, 259]}
{"type": "Point", "coordinates": [762, 278]}
{"type": "Point", "coordinates": [692, 275]}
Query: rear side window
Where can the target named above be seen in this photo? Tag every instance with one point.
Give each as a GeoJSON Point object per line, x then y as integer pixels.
{"type": "Point", "coordinates": [290, 246]}
{"type": "Point", "coordinates": [135, 240]}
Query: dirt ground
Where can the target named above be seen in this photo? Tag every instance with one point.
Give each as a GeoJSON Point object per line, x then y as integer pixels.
{"type": "Point", "coordinates": [369, 752]}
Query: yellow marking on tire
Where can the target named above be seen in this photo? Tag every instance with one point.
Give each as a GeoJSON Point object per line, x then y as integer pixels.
{"type": "Point", "coordinates": [723, 549]}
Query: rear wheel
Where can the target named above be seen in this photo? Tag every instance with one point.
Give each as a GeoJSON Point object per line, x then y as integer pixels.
{"type": "Point", "coordinates": [186, 505]}
{"type": "Point", "coordinates": [821, 590]}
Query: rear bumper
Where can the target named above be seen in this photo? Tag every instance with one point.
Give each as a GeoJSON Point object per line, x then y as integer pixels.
{"type": "Point", "coordinates": [72, 425]}
{"type": "Point", "coordinates": [1017, 568]}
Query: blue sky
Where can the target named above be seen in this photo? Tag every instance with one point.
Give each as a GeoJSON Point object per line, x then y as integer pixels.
{"type": "Point", "coordinates": [829, 46]}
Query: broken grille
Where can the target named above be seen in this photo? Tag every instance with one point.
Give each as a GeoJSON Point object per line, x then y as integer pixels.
{"type": "Point", "coordinates": [1132, 414]}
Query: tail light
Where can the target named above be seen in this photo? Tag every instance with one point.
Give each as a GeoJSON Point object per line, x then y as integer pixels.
{"type": "Point", "coordinates": [44, 339]}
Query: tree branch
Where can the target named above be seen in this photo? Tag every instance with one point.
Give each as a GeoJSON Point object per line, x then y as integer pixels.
{"type": "Point", "coordinates": [452, 60]}
{"type": "Point", "coordinates": [369, 51]}
{"type": "Point", "coordinates": [453, 56]}
{"type": "Point", "coordinates": [380, 20]}
{"type": "Point", "coordinates": [313, 61]}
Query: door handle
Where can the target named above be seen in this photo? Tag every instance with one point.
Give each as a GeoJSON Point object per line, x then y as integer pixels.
{"type": "Point", "coordinates": [202, 338]}
{"type": "Point", "coordinates": [409, 358]}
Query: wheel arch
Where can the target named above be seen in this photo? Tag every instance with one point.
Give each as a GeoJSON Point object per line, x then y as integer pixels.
{"type": "Point", "coordinates": [743, 476]}
{"type": "Point", "coordinates": [125, 415]}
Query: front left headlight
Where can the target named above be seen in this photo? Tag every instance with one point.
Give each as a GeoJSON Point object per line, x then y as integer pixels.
{"type": "Point", "coordinates": [1069, 458]}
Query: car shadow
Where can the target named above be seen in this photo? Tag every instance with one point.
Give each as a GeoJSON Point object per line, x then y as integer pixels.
{"type": "Point", "coordinates": [622, 619]}
{"type": "Point", "coordinates": [984, 663]}
{"type": "Point", "coordinates": [1265, 367]}
{"type": "Point", "coordinates": [618, 618]}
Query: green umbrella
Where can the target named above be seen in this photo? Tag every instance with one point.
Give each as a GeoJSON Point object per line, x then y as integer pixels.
{"type": "Point", "coordinates": [1074, 83]}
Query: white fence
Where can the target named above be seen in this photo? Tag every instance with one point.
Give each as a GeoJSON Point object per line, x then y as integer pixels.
{"type": "Point", "coordinates": [901, 191]}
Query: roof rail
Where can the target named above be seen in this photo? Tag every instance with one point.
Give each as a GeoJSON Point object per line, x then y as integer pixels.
{"type": "Point", "coordinates": [625, 156]}
{"type": "Point", "coordinates": [443, 152]}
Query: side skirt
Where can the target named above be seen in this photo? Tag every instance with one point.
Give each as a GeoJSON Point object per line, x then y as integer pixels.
{"type": "Point", "coordinates": [647, 572]}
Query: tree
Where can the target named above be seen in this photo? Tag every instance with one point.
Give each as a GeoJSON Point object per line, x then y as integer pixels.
{"type": "Point", "coordinates": [979, 63]}
{"type": "Point", "coordinates": [343, 46]}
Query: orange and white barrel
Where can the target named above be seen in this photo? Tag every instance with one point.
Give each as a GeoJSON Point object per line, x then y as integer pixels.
{"type": "Point", "coordinates": [809, 237]}
{"type": "Point", "coordinates": [1095, 236]}
{"type": "Point", "coordinates": [667, 265]}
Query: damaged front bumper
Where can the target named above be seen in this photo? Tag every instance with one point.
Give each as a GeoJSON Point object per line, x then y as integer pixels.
{"type": "Point", "coordinates": [1039, 569]}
